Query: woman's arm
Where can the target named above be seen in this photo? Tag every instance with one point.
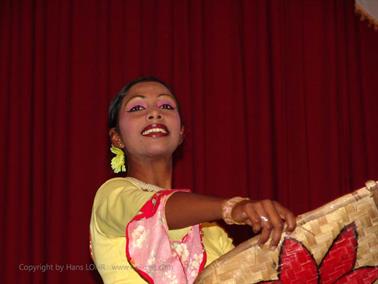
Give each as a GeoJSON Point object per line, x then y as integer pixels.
{"type": "Point", "coordinates": [269, 217]}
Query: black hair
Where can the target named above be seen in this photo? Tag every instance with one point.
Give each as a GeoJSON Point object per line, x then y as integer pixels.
{"type": "Point", "coordinates": [115, 105]}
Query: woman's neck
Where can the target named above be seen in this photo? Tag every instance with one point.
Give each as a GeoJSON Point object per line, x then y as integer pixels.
{"type": "Point", "coordinates": [157, 172]}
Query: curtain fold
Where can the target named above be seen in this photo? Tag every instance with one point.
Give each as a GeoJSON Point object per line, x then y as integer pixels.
{"type": "Point", "coordinates": [278, 97]}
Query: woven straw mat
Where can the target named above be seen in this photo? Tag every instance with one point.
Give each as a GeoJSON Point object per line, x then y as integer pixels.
{"type": "Point", "coordinates": [334, 242]}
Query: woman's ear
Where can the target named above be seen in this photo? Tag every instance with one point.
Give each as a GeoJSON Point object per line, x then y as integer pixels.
{"type": "Point", "coordinates": [116, 138]}
{"type": "Point", "coordinates": [182, 135]}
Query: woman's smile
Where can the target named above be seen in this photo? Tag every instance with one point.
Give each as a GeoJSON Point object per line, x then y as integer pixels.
{"type": "Point", "coordinates": [155, 130]}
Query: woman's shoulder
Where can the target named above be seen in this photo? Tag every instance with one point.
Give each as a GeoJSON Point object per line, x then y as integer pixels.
{"type": "Point", "coordinates": [125, 185]}
{"type": "Point", "coordinates": [128, 182]}
{"type": "Point", "coordinates": [117, 182]}
{"type": "Point", "coordinates": [115, 185]}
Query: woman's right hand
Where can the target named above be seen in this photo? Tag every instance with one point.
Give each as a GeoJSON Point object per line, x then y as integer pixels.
{"type": "Point", "coordinates": [266, 216]}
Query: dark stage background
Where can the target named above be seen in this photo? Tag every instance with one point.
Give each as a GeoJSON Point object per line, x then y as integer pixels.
{"type": "Point", "coordinates": [279, 101]}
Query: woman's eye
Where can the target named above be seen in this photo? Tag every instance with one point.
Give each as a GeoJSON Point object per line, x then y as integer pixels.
{"type": "Point", "coordinates": [167, 106]}
{"type": "Point", "coordinates": [136, 108]}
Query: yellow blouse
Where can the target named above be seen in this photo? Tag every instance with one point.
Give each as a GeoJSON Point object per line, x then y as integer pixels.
{"type": "Point", "coordinates": [116, 202]}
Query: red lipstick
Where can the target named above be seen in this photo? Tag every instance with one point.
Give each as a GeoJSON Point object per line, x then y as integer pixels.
{"type": "Point", "coordinates": [155, 130]}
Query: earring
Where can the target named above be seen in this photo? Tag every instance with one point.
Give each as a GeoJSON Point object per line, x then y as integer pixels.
{"type": "Point", "coordinates": [118, 162]}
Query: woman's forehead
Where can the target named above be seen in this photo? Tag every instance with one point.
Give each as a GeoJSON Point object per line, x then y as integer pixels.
{"type": "Point", "coordinates": [148, 89]}
{"type": "Point", "coordinates": [144, 88]}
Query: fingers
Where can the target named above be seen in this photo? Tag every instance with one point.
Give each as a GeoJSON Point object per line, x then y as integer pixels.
{"type": "Point", "coordinates": [245, 214]}
{"type": "Point", "coordinates": [269, 217]}
{"type": "Point", "coordinates": [265, 226]}
{"type": "Point", "coordinates": [253, 218]}
{"type": "Point", "coordinates": [286, 215]}
{"type": "Point", "coordinates": [275, 220]}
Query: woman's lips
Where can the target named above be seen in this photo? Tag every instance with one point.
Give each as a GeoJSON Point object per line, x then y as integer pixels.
{"type": "Point", "coordinates": [155, 130]}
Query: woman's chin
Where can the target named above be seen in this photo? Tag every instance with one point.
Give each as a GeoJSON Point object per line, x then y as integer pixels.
{"type": "Point", "coordinates": [159, 153]}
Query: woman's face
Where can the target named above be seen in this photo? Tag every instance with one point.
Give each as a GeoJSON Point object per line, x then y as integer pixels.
{"type": "Point", "coordinates": [149, 121]}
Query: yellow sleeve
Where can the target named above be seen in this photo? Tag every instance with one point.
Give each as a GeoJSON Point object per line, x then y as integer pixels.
{"type": "Point", "coordinates": [117, 201]}
{"type": "Point", "coordinates": [216, 241]}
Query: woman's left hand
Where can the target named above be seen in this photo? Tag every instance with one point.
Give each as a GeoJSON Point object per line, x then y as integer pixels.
{"type": "Point", "coordinates": [267, 216]}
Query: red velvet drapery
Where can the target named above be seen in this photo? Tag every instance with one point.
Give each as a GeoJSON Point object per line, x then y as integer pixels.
{"type": "Point", "coordinates": [279, 101]}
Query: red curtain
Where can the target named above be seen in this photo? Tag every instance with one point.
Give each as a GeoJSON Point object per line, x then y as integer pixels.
{"type": "Point", "coordinates": [279, 101]}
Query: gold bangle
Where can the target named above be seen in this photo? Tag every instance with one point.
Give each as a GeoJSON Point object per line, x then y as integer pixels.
{"type": "Point", "coordinates": [227, 207]}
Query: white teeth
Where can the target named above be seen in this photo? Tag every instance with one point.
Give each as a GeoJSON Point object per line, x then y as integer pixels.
{"type": "Point", "coordinates": [154, 130]}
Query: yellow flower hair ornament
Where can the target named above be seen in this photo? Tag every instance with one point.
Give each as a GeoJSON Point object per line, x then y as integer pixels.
{"type": "Point", "coordinates": [118, 162]}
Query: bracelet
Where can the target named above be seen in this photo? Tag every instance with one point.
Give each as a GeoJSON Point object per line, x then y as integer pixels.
{"type": "Point", "coordinates": [227, 207]}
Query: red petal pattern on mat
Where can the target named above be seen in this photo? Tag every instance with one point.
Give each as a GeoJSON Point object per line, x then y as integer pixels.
{"type": "Point", "coordinates": [341, 257]}
{"type": "Point", "coordinates": [297, 265]}
{"type": "Point", "coordinates": [364, 275]}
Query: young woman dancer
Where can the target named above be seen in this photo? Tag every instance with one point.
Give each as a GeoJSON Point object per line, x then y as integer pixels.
{"type": "Point", "coordinates": [141, 229]}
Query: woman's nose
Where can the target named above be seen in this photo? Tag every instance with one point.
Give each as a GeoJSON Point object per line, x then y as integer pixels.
{"type": "Point", "coordinates": [154, 114]}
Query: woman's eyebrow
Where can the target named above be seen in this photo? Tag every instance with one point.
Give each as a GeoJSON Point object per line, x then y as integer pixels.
{"type": "Point", "coordinates": [166, 95]}
{"type": "Point", "coordinates": [134, 97]}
